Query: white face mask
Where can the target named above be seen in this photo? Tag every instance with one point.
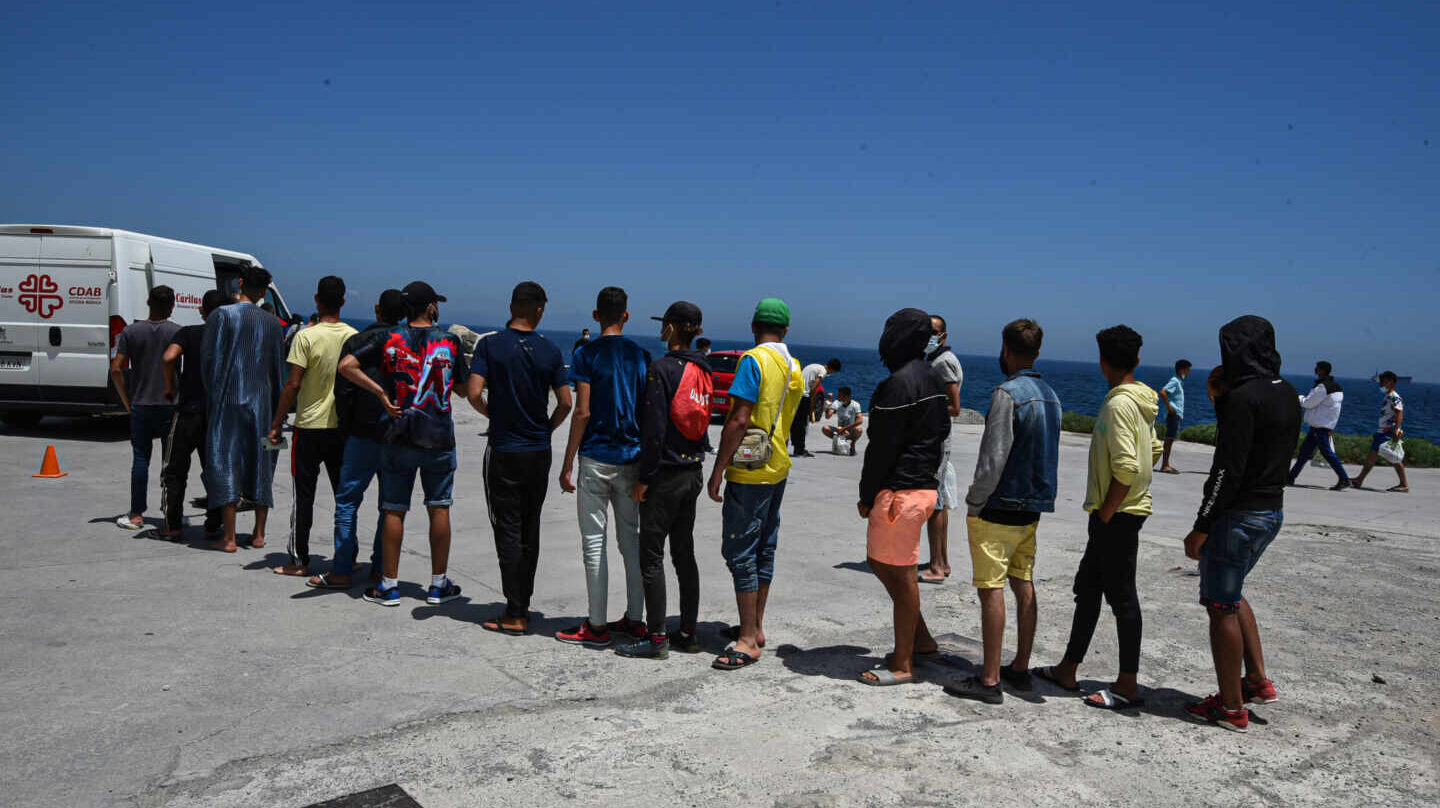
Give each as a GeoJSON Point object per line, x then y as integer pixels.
{"type": "Point", "coordinates": [933, 345]}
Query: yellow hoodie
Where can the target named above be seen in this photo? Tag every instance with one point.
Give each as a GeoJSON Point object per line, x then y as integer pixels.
{"type": "Point", "coordinates": [1124, 447]}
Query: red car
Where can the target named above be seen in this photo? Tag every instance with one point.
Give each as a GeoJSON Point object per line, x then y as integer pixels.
{"type": "Point", "coordinates": [723, 365]}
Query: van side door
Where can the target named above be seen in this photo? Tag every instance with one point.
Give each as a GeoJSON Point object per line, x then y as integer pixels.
{"type": "Point", "coordinates": [74, 330]}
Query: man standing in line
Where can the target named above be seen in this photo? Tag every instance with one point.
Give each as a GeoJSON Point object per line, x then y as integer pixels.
{"type": "Point", "coordinates": [187, 431]}
{"type": "Point", "coordinates": [849, 421]}
{"type": "Point", "coordinates": [1123, 451]}
{"type": "Point", "coordinates": [908, 427]}
{"type": "Point", "coordinates": [1172, 395]}
{"type": "Point", "coordinates": [947, 365]}
{"type": "Point", "coordinates": [422, 367]}
{"type": "Point", "coordinates": [1392, 423]}
{"type": "Point", "coordinates": [1015, 482]}
{"type": "Point", "coordinates": [142, 346]}
{"type": "Point", "coordinates": [243, 361]}
{"type": "Point", "coordinates": [812, 375]}
{"type": "Point", "coordinates": [584, 338]}
{"type": "Point", "coordinates": [1241, 513]}
{"type": "Point", "coordinates": [673, 429]}
{"type": "Point", "coordinates": [765, 397]}
{"type": "Point", "coordinates": [314, 357]}
{"type": "Point", "coordinates": [703, 346]}
{"type": "Point", "coordinates": [1322, 413]}
{"type": "Point", "coordinates": [363, 421]}
{"type": "Point", "coordinates": [521, 369]}
{"type": "Point", "coordinates": [609, 377]}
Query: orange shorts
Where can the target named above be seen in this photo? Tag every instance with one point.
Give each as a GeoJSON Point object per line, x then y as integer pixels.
{"type": "Point", "coordinates": [893, 535]}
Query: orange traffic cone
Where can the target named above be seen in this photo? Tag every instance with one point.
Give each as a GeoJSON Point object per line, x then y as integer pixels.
{"type": "Point", "coordinates": [50, 468]}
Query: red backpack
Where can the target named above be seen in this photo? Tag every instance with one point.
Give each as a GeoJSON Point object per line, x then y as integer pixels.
{"type": "Point", "coordinates": [690, 408]}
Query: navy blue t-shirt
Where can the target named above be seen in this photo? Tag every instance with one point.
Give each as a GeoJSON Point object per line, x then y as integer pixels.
{"type": "Point", "coordinates": [520, 370]}
{"type": "Point", "coordinates": [614, 367]}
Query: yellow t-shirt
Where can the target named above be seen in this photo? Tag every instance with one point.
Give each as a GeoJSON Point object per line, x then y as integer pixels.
{"type": "Point", "coordinates": [317, 349]}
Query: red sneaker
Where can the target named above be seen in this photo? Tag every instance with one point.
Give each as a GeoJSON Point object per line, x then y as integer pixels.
{"type": "Point", "coordinates": [1211, 710]}
{"type": "Point", "coordinates": [634, 628]}
{"type": "Point", "coordinates": [1260, 693]}
{"type": "Point", "coordinates": [586, 635]}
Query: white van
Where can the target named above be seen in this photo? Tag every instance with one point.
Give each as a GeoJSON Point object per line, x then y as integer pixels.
{"type": "Point", "coordinates": [67, 292]}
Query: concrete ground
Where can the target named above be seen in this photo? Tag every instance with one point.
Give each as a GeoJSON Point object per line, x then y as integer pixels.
{"type": "Point", "coordinates": [139, 672]}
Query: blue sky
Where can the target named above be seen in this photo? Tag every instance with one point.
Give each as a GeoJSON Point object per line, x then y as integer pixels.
{"type": "Point", "coordinates": [1167, 166]}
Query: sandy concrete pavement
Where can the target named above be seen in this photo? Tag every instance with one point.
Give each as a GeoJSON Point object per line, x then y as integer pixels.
{"type": "Point", "coordinates": [139, 672]}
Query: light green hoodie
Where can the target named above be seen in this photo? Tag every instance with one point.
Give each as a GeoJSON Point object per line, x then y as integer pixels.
{"type": "Point", "coordinates": [1124, 447]}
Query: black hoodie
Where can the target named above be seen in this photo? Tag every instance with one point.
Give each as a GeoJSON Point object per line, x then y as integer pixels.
{"type": "Point", "coordinates": [909, 415]}
{"type": "Point", "coordinates": [661, 444]}
{"type": "Point", "coordinates": [1258, 427]}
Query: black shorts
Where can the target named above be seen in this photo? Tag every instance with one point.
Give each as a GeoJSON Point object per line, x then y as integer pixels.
{"type": "Point", "coordinates": [1172, 426]}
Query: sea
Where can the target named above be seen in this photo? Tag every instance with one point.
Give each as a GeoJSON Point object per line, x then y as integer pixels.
{"type": "Point", "coordinates": [1079, 385]}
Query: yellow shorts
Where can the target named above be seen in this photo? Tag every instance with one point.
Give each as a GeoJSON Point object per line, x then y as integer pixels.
{"type": "Point", "coordinates": [998, 552]}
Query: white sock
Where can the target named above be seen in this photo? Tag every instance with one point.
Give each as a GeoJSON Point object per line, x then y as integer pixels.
{"type": "Point", "coordinates": [389, 583]}
{"type": "Point", "coordinates": [437, 580]}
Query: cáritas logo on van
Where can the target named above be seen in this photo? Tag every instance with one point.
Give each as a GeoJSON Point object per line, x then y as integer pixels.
{"type": "Point", "coordinates": [39, 294]}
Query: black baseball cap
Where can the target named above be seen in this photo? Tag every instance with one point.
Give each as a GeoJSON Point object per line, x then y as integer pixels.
{"type": "Point", "coordinates": [681, 313]}
{"type": "Point", "coordinates": [420, 293]}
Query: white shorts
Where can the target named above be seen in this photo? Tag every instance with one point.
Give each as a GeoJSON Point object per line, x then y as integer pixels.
{"type": "Point", "coordinates": [949, 496]}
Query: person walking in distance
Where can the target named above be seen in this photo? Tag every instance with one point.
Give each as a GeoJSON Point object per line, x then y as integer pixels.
{"type": "Point", "coordinates": [1172, 395]}
{"type": "Point", "coordinates": [242, 358]}
{"type": "Point", "coordinates": [609, 377]}
{"type": "Point", "coordinates": [314, 357]}
{"type": "Point", "coordinates": [1322, 414]}
{"type": "Point", "coordinates": [187, 430]}
{"type": "Point", "coordinates": [363, 421]}
{"type": "Point", "coordinates": [141, 347]}
{"type": "Point", "coordinates": [673, 427]}
{"type": "Point", "coordinates": [422, 367]}
{"type": "Point", "coordinates": [520, 369]}
{"type": "Point", "coordinates": [1392, 423]}
{"type": "Point", "coordinates": [752, 463]}
{"type": "Point", "coordinates": [1241, 513]}
{"type": "Point", "coordinates": [1015, 482]}
{"type": "Point", "coordinates": [1123, 451]}
{"type": "Point", "coordinates": [813, 374]}
{"type": "Point", "coordinates": [947, 365]}
{"type": "Point", "coordinates": [909, 423]}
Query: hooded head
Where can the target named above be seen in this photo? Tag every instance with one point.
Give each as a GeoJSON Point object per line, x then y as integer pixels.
{"type": "Point", "coordinates": [1247, 350]}
{"type": "Point", "coordinates": [906, 333]}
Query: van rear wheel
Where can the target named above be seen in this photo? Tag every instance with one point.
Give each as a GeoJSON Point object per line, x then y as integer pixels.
{"type": "Point", "coordinates": [21, 419]}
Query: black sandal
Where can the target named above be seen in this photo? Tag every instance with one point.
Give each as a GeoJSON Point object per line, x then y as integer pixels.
{"type": "Point", "coordinates": [733, 660]}
{"type": "Point", "coordinates": [1048, 674]}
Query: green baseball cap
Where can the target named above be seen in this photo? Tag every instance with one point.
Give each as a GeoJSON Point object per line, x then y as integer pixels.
{"type": "Point", "coordinates": [772, 311]}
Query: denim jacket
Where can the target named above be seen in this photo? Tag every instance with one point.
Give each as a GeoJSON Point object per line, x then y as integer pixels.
{"type": "Point", "coordinates": [1020, 451]}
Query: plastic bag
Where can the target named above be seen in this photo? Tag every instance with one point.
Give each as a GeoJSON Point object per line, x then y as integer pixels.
{"type": "Point", "coordinates": [840, 444]}
{"type": "Point", "coordinates": [1393, 451]}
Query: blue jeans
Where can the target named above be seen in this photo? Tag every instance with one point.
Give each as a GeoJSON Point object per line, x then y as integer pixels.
{"type": "Point", "coordinates": [1317, 438]}
{"type": "Point", "coordinates": [1236, 541]}
{"type": "Point", "coordinates": [147, 422]}
{"type": "Point", "coordinates": [361, 464]}
{"type": "Point", "coordinates": [750, 520]}
{"type": "Point", "coordinates": [398, 465]}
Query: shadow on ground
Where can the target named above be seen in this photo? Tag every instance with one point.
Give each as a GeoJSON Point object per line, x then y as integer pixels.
{"type": "Point", "coordinates": [92, 429]}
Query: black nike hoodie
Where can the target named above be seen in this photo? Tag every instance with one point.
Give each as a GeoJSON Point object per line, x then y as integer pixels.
{"type": "Point", "coordinates": [909, 415]}
{"type": "Point", "coordinates": [1258, 425]}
